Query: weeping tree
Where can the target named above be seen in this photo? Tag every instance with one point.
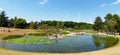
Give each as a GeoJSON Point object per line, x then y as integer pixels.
{"type": "Point", "coordinates": [111, 23]}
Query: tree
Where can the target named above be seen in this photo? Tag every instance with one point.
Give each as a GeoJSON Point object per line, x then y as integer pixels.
{"type": "Point", "coordinates": [108, 16]}
{"type": "Point", "coordinates": [61, 24]}
{"type": "Point", "coordinates": [11, 22]}
{"type": "Point", "coordinates": [111, 25]}
{"type": "Point", "coordinates": [98, 24]}
{"type": "Point", "coordinates": [32, 25]}
{"type": "Point", "coordinates": [117, 19]}
{"type": "Point", "coordinates": [3, 19]}
{"type": "Point", "coordinates": [20, 23]}
{"type": "Point", "coordinates": [43, 26]}
{"type": "Point", "coordinates": [111, 22]}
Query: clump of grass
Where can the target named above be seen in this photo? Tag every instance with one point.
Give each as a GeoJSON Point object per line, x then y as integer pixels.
{"type": "Point", "coordinates": [32, 40]}
{"type": "Point", "coordinates": [65, 33]}
{"type": "Point", "coordinates": [37, 34]}
{"type": "Point", "coordinates": [12, 37]}
{"type": "Point", "coordinates": [108, 40]}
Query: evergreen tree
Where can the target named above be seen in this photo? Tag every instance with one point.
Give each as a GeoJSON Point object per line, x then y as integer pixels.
{"type": "Point", "coordinates": [108, 16]}
{"type": "Point", "coordinates": [3, 19]}
{"type": "Point", "coordinates": [117, 20]}
{"type": "Point", "coordinates": [98, 24]}
{"type": "Point", "coordinates": [11, 22]}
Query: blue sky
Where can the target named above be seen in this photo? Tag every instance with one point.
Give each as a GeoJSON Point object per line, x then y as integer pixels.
{"type": "Point", "coordinates": [61, 10]}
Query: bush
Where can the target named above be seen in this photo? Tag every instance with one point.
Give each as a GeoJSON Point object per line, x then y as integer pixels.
{"type": "Point", "coordinates": [37, 34]}
{"type": "Point", "coordinates": [12, 37]}
{"type": "Point", "coordinates": [64, 32]}
{"type": "Point", "coordinates": [32, 40]}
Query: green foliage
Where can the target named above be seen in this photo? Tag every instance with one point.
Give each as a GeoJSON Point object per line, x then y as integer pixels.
{"type": "Point", "coordinates": [32, 40]}
{"type": "Point", "coordinates": [37, 34]}
{"type": "Point", "coordinates": [32, 25]}
{"type": "Point", "coordinates": [46, 25]}
{"type": "Point", "coordinates": [111, 24]}
{"type": "Point", "coordinates": [98, 24]}
{"type": "Point", "coordinates": [107, 40]}
{"type": "Point", "coordinates": [11, 22]}
{"type": "Point", "coordinates": [65, 33]}
{"type": "Point", "coordinates": [108, 16]}
{"type": "Point", "coordinates": [12, 37]}
{"type": "Point", "coordinates": [3, 19]}
{"type": "Point", "coordinates": [66, 24]}
{"type": "Point", "coordinates": [20, 23]}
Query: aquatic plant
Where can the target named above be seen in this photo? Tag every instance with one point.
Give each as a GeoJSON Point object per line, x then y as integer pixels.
{"type": "Point", "coordinates": [12, 37]}
{"type": "Point", "coordinates": [107, 40]}
{"type": "Point", "coordinates": [32, 40]}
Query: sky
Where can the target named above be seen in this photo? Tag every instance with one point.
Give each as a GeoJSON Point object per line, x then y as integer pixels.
{"type": "Point", "coordinates": [60, 10]}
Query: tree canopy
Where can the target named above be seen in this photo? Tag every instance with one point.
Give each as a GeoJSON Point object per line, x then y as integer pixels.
{"type": "Point", "coordinates": [20, 23]}
{"type": "Point", "coordinates": [98, 24]}
{"type": "Point", "coordinates": [111, 24]}
{"type": "Point", "coordinates": [3, 19]}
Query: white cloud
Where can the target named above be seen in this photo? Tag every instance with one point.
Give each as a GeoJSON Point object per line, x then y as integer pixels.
{"type": "Point", "coordinates": [1, 9]}
{"type": "Point", "coordinates": [43, 2]}
{"type": "Point", "coordinates": [117, 2]}
{"type": "Point", "coordinates": [103, 5]}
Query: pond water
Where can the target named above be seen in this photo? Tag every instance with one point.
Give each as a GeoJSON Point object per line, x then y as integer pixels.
{"type": "Point", "coordinates": [80, 43]}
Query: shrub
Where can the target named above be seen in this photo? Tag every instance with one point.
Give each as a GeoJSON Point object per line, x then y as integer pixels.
{"type": "Point", "coordinates": [64, 32]}
{"type": "Point", "coordinates": [32, 40]}
{"type": "Point", "coordinates": [12, 37]}
{"type": "Point", "coordinates": [37, 34]}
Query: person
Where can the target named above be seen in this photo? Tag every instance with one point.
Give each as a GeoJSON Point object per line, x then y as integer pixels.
{"type": "Point", "coordinates": [3, 30]}
{"type": "Point", "coordinates": [24, 34]}
{"type": "Point", "coordinates": [8, 30]}
{"type": "Point", "coordinates": [56, 36]}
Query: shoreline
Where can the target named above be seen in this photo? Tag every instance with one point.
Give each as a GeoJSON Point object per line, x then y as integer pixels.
{"type": "Point", "coordinates": [106, 51]}
{"type": "Point", "coordinates": [115, 50]}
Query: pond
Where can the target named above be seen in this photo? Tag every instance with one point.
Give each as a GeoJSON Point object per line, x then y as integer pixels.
{"type": "Point", "coordinates": [73, 44]}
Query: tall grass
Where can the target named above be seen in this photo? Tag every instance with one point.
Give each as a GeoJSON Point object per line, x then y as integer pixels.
{"type": "Point", "coordinates": [12, 37]}
{"type": "Point", "coordinates": [32, 40]}
{"type": "Point", "coordinates": [108, 41]}
{"type": "Point", "coordinates": [37, 34]}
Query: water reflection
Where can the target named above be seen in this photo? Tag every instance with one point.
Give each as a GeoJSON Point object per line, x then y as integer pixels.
{"type": "Point", "coordinates": [97, 41]}
{"type": "Point", "coordinates": [106, 41]}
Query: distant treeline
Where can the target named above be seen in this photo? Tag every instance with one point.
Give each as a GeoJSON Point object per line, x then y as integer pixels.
{"type": "Point", "coordinates": [21, 23]}
{"type": "Point", "coordinates": [67, 24]}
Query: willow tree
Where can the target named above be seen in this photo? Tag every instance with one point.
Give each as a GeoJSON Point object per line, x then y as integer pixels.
{"type": "Point", "coordinates": [111, 23]}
